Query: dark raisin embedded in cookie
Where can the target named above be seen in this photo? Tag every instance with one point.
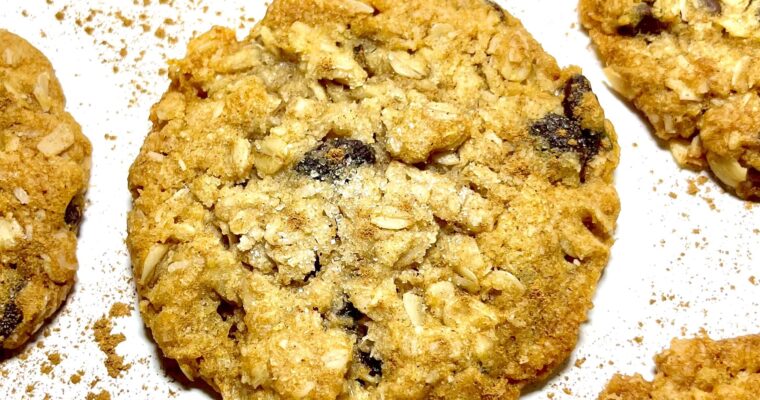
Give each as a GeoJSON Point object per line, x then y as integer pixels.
{"type": "Point", "coordinates": [576, 88]}
{"type": "Point", "coordinates": [331, 159]}
{"type": "Point", "coordinates": [11, 317]}
{"type": "Point", "coordinates": [559, 132]}
{"type": "Point", "coordinates": [647, 23]}
{"type": "Point", "coordinates": [563, 134]}
{"type": "Point", "coordinates": [73, 214]}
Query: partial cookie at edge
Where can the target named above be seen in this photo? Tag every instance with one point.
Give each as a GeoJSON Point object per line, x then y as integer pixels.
{"type": "Point", "coordinates": [44, 170]}
{"type": "Point", "coordinates": [701, 368]}
{"type": "Point", "coordinates": [688, 66]}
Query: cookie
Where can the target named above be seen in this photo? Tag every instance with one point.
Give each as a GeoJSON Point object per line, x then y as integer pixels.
{"type": "Point", "coordinates": [372, 200]}
{"type": "Point", "coordinates": [690, 67]}
{"type": "Point", "coordinates": [697, 369]}
{"type": "Point", "coordinates": [44, 171]}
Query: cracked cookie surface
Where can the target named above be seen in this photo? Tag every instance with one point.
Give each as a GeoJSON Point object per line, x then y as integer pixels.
{"type": "Point", "coordinates": [690, 67]}
{"type": "Point", "coordinates": [396, 200]}
{"type": "Point", "coordinates": [697, 369]}
{"type": "Point", "coordinates": [44, 170]}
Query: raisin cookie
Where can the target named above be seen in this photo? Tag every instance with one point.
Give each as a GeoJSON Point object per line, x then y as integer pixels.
{"type": "Point", "coordinates": [691, 67]}
{"type": "Point", "coordinates": [365, 200]}
{"type": "Point", "coordinates": [697, 369]}
{"type": "Point", "coordinates": [44, 171]}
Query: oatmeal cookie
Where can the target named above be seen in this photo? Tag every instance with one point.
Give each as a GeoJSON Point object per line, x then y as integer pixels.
{"type": "Point", "coordinates": [365, 200]}
{"type": "Point", "coordinates": [691, 67]}
{"type": "Point", "coordinates": [44, 170]}
{"type": "Point", "coordinates": [697, 369]}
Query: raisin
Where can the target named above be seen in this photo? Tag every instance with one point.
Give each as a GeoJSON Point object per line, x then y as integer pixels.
{"type": "Point", "coordinates": [12, 316]}
{"type": "Point", "coordinates": [375, 366]}
{"type": "Point", "coordinates": [73, 214]}
{"type": "Point", "coordinates": [712, 6]}
{"type": "Point", "coordinates": [647, 25]}
{"type": "Point", "coordinates": [575, 88]}
{"type": "Point", "coordinates": [561, 133]}
{"type": "Point", "coordinates": [330, 160]}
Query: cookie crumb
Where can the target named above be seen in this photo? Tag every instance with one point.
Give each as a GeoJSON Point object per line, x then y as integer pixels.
{"type": "Point", "coordinates": [76, 377]}
{"type": "Point", "coordinates": [107, 342]}
{"type": "Point", "coordinates": [120, 310]}
{"type": "Point", "coordinates": [103, 395]}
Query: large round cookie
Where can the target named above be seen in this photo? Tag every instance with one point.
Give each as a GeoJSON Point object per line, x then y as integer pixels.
{"type": "Point", "coordinates": [397, 200]}
{"type": "Point", "coordinates": [697, 369]}
{"type": "Point", "coordinates": [44, 170]}
{"type": "Point", "coordinates": [691, 66]}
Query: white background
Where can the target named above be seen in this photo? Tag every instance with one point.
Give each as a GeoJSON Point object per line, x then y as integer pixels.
{"type": "Point", "coordinates": [678, 265]}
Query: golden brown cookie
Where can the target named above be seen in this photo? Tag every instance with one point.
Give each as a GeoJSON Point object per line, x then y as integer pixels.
{"type": "Point", "coordinates": [395, 199]}
{"type": "Point", "coordinates": [44, 170]}
{"type": "Point", "coordinates": [691, 66]}
{"type": "Point", "coordinates": [697, 369]}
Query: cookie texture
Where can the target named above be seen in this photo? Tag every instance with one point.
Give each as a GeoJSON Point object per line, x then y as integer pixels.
{"type": "Point", "coordinates": [697, 369]}
{"type": "Point", "coordinates": [44, 171]}
{"type": "Point", "coordinates": [372, 200]}
{"type": "Point", "coordinates": [691, 67]}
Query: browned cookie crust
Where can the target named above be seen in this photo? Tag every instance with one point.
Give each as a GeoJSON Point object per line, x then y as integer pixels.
{"type": "Point", "coordinates": [398, 200]}
{"type": "Point", "coordinates": [44, 170]}
{"type": "Point", "coordinates": [691, 66]}
{"type": "Point", "coordinates": [697, 369]}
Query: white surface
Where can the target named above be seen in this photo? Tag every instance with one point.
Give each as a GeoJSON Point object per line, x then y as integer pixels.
{"type": "Point", "coordinates": [704, 277]}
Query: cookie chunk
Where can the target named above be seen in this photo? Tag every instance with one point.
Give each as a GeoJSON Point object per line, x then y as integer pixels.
{"type": "Point", "coordinates": [44, 171]}
{"type": "Point", "coordinates": [385, 199]}
{"type": "Point", "coordinates": [697, 369]}
{"type": "Point", "coordinates": [691, 67]}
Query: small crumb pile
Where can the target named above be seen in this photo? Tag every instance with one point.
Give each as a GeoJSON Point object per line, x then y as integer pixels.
{"type": "Point", "coordinates": [108, 341]}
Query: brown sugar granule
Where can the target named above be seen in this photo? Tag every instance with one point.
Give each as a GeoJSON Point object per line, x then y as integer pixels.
{"type": "Point", "coordinates": [107, 342]}
{"type": "Point", "coordinates": [103, 395]}
{"type": "Point", "coordinates": [120, 309]}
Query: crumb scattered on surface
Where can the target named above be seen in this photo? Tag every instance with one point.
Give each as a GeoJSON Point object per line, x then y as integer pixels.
{"type": "Point", "coordinates": [107, 342]}
{"type": "Point", "coordinates": [120, 310]}
{"type": "Point", "coordinates": [103, 395]}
